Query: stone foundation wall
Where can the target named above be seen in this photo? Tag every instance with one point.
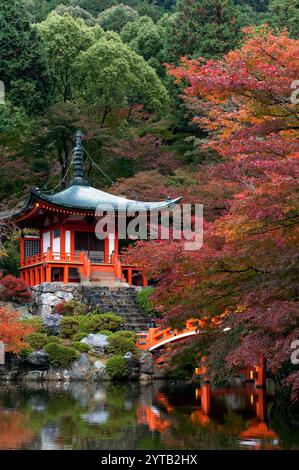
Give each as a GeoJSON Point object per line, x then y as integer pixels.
{"type": "Point", "coordinates": [120, 300]}
{"type": "Point", "coordinates": [46, 296]}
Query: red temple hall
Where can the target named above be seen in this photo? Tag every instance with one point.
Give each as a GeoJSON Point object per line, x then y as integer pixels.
{"type": "Point", "coordinates": [65, 247]}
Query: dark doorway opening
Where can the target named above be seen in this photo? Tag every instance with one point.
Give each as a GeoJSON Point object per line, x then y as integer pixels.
{"type": "Point", "coordinates": [88, 242]}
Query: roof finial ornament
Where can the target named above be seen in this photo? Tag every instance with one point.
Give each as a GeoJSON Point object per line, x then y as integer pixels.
{"type": "Point", "coordinates": [78, 162]}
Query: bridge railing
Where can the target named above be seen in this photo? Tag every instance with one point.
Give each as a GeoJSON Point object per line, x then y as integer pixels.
{"type": "Point", "coordinates": [156, 337]}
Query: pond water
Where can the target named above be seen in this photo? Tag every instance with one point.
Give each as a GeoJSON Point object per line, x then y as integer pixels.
{"type": "Point", "coordinates": [131, 416]}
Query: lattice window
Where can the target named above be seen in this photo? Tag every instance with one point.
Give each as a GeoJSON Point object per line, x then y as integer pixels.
{"type": "Point", "coordinates": [32, 247]}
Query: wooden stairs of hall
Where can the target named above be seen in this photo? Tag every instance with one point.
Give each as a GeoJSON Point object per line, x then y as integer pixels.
{"type": "Point", "coordinates": [105, 278]}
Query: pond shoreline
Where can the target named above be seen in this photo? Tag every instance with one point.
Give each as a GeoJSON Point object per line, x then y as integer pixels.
{"type": "Point", "coordinates": [84, 369]}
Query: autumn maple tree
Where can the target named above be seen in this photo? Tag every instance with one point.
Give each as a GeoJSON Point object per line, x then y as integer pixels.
{"type": "Point", "coordinates": [12, 331]}
{"type": "Point", "coordinates": [248, 265]}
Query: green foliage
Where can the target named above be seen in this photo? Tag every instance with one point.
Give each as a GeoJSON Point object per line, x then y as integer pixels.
{"type": "Point", "coordinates": [143, 299]}
{"type": "Point", "coordinates": [117, 368]}
{"type": "Point", "coordinates": [25, 353]}
{"type": "Point", "coordinates": [78, 336]}
{"type": "Point", "coordinates": [80, 346]}
{"type": "Point", "coordinates": [207, 28]}
{"type": "Point", "coordinates": [115, 76]}
{"type": "Point", "coordinates": [285, 14]}
{"type": "Point", "coordinates": [53, 339]}
{"type": "Point", "coordinates": [39, 9]}
{"type": "Point", "coordinates": [73, 308]}
{"type": "Point", "coordinates": [36, 323]}
{"type": "Point", "coordinates": [116, 17]}
{"type": "Point", "coordinates": [23, 68]}
{"type": "Point", "coordinates": [97, 322]}
{"type": "Point", "coordinates": [142, 6]}
{"type": "Point", "coordinates": [105, 332]}
{"type": "Point", "coordinates": [10, 261]}
{"type": "Point", "coordinates": [37, 340]}
{"type": "Point", "coordinates": [60, 356]}
{"type": "Point", "coordinates": [64, 37]}
{"type": "Point", "coordinates": [69, 326]}
{"type": "Point", "coordinates": [76, 12]}
{"type": "Point", "coordinates": [122, 342]}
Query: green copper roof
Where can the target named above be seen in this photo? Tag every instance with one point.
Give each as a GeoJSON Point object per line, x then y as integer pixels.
{"type": "Point", "coordinates": [89, 198]}
{"type": "Point", "coordinates": [81, 196]}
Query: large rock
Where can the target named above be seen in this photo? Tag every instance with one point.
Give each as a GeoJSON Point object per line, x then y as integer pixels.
{"type": "Point", "coordinates": [97, 342]}
{"type": "Point", "coordinates": [145, 379]}
{"type": "Point", "coordinates": [43, 310]}
{"type": "Point", "coordinates": [52, 323]}
{"type": "Point", "coordinates": [99, 372]}
{"type": "Point", "coordinates": [133, 365]}
{"type": "Point", "coordinates": [82, 368]}
{"type": "Point", "coordinates": [49, 299]}
{"type": "Point", "coordinates": [147, 363]}
{"type": "Point", "coordinates": [39, 360]}
{"type": "Point", "coordinates": [64, 296]}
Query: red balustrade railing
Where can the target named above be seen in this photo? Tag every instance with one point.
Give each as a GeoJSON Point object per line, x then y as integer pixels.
{"type": "Point", "coordinates": [51, 256]}
{"type": "Point", "coordinates": [155, 336]}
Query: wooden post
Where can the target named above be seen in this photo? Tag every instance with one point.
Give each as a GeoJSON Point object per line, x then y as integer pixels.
{"type": "Point", "coordinates": [66, 274]}
{"type": "Point", "coordinates": [48, 274]}
{"type": "Point", "coordinates": [206, 399]}
{"type": "Point", "coordinates": [261, 405]}
{"type": "Point", "coordinates": [130, 276]}
{"type": "Point", "coordinates": [144, 281]}
{"type": "Point", "coordinates": [106, 250]}
{"type": "Point", "coordinates": [62, 239]}
{"type": "Point", "coordinates": [261, 372]}
{"type": "Point", "coordinates": [22, 250]}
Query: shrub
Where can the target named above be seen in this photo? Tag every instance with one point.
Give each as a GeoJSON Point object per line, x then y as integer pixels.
{"type": "Point", "coordinates": [79, 336]}
{"type": "Point", "coordinates": [81, 346]}
{"type": "Point", "coordinates": [25, 353]}
{"type": "Point", "coordinates": [36, 323]}
{"type": "Point", "coordinates": [143, 299]}
{"type": "Point", "coordinates": [73, 308]}
{"type": "Point", "coordinates": [121, 343]}
{"type": "Point", "coordinates": [69, 326]}
{"type": "Point", "coordinates": [60, 356]}
{"type": "Point", "coordinates": [105, 332]}
{"type": "Point", "coordinates": [105, 321]}
{"type": "Point", "coordinates": [14, 289]}
{"type": "Point", "coordinates": [53, 339]}
{"type": "Point", "coordinates": [117, 367]}
{"type": "Point", "coordinates": [37, 340]}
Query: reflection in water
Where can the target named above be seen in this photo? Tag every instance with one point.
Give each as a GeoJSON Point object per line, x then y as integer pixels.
{"type": "Point", "coordinates": [133, 416]}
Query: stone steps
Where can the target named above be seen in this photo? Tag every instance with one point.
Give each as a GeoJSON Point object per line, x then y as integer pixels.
{"type": "Point", "coordinates": [120, 299]}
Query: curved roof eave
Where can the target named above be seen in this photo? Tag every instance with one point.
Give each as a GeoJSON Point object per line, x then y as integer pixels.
{"type": "Point", "coordinates": [117, 203]}
{"type": "Point", "coordinates": [91, 199]}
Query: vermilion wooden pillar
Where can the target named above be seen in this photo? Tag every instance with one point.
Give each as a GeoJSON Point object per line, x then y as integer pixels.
{"type": "Point", "coordinates": [48, 274]}
{"type": "Point", "coordinates": [206, 399]}
{"type": "Point", "coordinates": [22, 250]}
{"type": "Point", "coordinates": [261, 372]}
{"type": "Point", "coordinates": [130, 276]}
{"type": "Point", "coordinates": [62, 239]}
{"type": "Point", "coordinates": [106, 250]}
{"type": "Point", "coordinates": [66, 274]}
